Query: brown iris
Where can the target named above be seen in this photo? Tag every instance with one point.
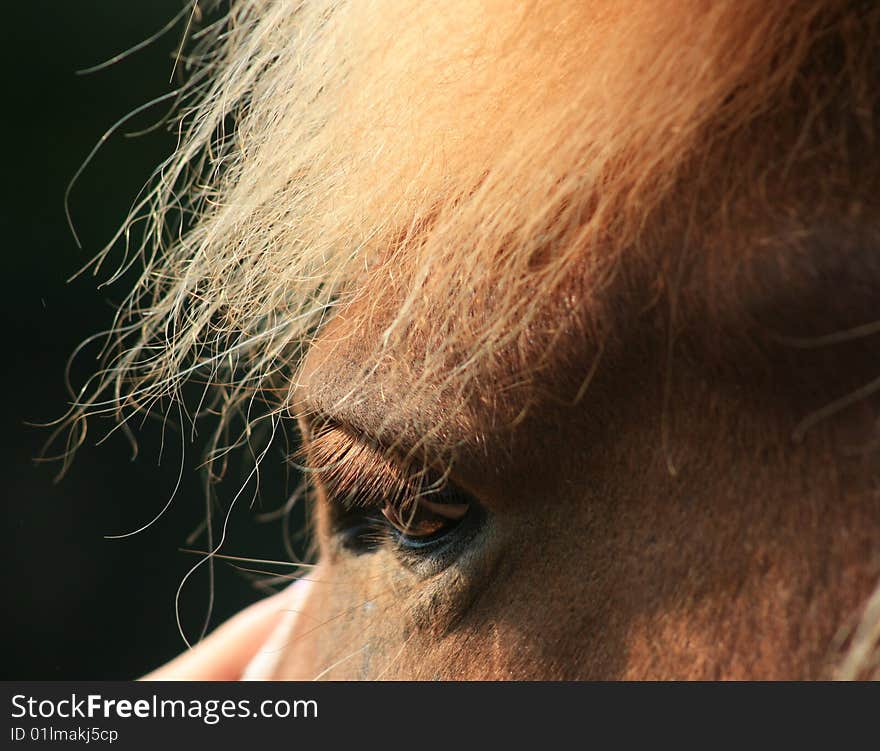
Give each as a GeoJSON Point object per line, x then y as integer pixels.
{"type": "Point", "coordinates": [423, 518]}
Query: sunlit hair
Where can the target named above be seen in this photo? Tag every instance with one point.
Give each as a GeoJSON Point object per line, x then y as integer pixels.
{"type": "Point", "coordinates": [483, 149]}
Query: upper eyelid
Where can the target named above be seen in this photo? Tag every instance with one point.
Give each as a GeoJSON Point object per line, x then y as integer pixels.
{"type": "Point", "coordinates": [360, 472]}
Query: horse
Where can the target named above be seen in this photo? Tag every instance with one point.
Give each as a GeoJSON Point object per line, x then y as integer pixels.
{"type": "Point", "coordinates": [572, 309]}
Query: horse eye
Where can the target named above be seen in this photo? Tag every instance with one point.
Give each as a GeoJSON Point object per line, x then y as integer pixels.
{"type": "Point", "coordinates": [424, 519]}
{"type": "Point", "coordinates": [374, 500]}
{"type": "Point", "coordinates": [431, 531]}
{"type": "Point", "coordinates": [427, 532]}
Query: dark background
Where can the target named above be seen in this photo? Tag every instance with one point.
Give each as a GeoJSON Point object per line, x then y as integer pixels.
{"type": "Point", "coordinates": [77, 605]}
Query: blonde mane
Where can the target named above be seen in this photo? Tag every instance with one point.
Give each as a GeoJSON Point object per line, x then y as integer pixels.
{"type": "Point", "coordinates": [482, 148]}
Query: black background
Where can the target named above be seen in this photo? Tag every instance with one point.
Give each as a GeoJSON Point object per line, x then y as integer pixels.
{"type": "Point", "coordinates": [77, 605]}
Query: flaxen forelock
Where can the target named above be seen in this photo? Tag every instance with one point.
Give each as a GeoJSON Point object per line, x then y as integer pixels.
{"type": "Point", "coordinates": [474, 152]}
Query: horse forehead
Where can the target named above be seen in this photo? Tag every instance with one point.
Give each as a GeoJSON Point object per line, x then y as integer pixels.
{"type": "Point", "coordinates": [347, 377]}
{"type": "Point", "coordinates": [348, 373]}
